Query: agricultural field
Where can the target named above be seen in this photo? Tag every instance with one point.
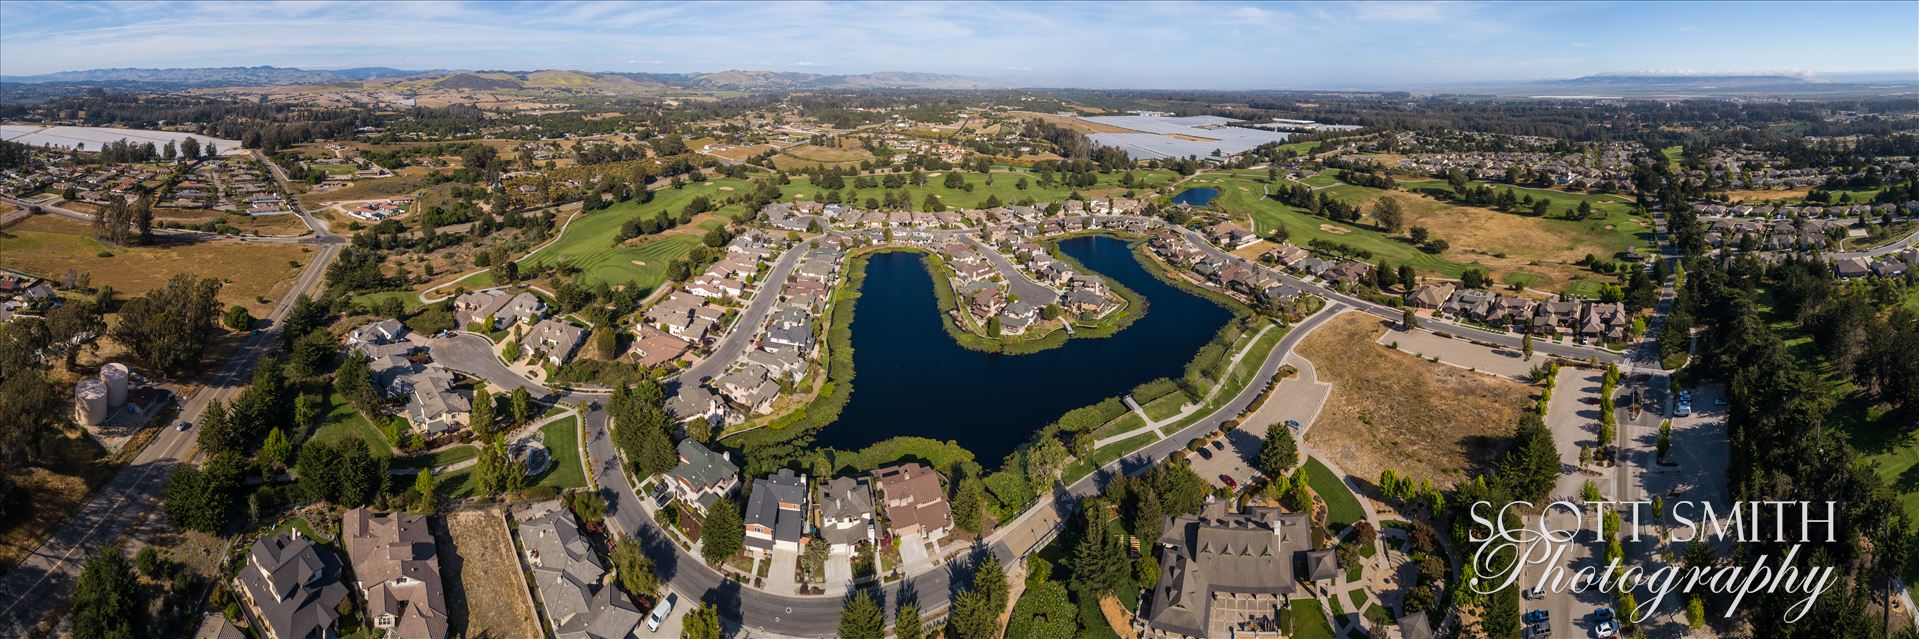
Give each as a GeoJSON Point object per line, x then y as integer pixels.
{"type": "Point", "coordinates": [1389, 409]}
{"type": "Point", "coordinates": [587, 243]}
{"type": "Point", "coordinates": [255, 274]}
{"type": "Point", "coordinates": [1005, 186]}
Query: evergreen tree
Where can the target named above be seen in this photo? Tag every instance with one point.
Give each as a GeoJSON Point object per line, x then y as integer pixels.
{"type": "Point", "coordinates": [907, 623]}
{"type": "Point", "coordinates": [861, 618]}
{"type": "Point", "coordinates": [702, 622]}
{"type": "Point", "coordinates": [106, 601]}
{"type": "Point", "coordinates": [1279, 453]}
{"type": "Point", "coordinates": [481, 417]}
{"type": "Point", "coordinates": [1044, 611]}
{"type": "Point", "coordinates": [723, 533]}
{"type": "Point", "coordinates": [521, 403]}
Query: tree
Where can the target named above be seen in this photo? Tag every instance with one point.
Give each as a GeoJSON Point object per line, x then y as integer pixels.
{"type": "Point", "coordinates": [973, 616]}
{"type": "Point", "coordinates": [1474, 278]}
{"type": "Point", "coordinates": [106, 601]}
{"type": "Point", "coordinates": [1044, 459]}
{"type": "Point", "coordinates": [906, 621]}
{"type": "Point", "coordinates": [481, 417]}
{"type": "Point", "coordinates": [496, 472]}
{"type": "Point", "coordinates": [1388, 214]}
{"type": "Point", "coordinates": [1408, 320]}
{"type": "Point", "coordinates": [606, 342]}
{"type": "Point", "coordinates": [860, 618]}
{"type": "Point", "coordinates": [426, 488]}
{"type": "Point", "coordinates": [237, 318]}
{"type": "Point", "coordinates": [1664, 443]}
{"type": "Point", "coordinates": [1279, 452]}
{"type": "Point", "coordinates": [277, 450]}
{"type": "Point", "coordinates": [636, 572]}
{"type": "Point", "coordinates": [1044, 611]}
{"type": "Point", "coordinates": [702, 622]}
{"type": "Point", "coordinates": [521, 404]}
{"type": "Point", "coordinates": [1099, 562]}
{"type": "Point", "coordinates": [813, 560]}
{"type": "Point", "coordinates": [202, 497]}
{"type": "Point", "coordinates": [170, 327]}
{"type": "Point", "coordinates": [722, 534]}
{"type": "Point", "coordinates": [968, 499]}
{"type": "Point", "coordinates": [588, 505]}
{"type": "Point", "coordinates": [1526, 346]}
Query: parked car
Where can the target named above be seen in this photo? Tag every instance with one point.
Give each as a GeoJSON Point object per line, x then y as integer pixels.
{"type": "Point", "coordinates": [1219, 444]}
{"type": "Point", "coordinates": [1536, 616]}
{"type": "Point", "coordinates": [1293, 424]}
{"type": "Point", "coordinates": [660, 612]}
{"type": "Point", "coordinates": [1602, 615]}
{"type": "Point", "coordinates": [1205, 454]}
{"type": "Point", "coordinates": [1606, 630]}
{"type": "Point", "coordinates": [1535, 593]}
{"type": "Point", "coordinates": [1228, 480]}
{"type": "Point", "coordinates": [1537, 630]}
{"type": "Point", "coordinates": [183, 426]}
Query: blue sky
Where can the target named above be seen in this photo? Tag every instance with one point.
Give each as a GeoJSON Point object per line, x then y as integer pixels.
{"type": "Point", "coordinates": [1228, 45]}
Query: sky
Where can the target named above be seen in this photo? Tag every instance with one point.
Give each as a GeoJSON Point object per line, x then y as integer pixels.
{"type": "Point", "coordinates": [1171, 45]}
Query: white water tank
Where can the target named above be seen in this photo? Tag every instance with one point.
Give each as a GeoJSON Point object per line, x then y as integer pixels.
{"type": "Point", "coordinates": [90, 401]}
{"type": "Point", "coordinates": [115, 376]}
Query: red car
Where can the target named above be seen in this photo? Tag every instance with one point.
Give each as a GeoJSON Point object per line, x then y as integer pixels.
{"type": "Point", "coordinates": [1228, 480]}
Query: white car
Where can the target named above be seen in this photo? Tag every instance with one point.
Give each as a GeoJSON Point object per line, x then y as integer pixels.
{"type": "Point", "coordinates": [1606, 629]}
{"type": "Point", "coordinates": [660, 612]}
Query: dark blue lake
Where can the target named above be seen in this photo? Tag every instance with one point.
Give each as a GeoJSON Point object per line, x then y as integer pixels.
{"type": "Point", "coordinates": [1199, 196]}
{"type": "Point", "coordinates": [910, 378]}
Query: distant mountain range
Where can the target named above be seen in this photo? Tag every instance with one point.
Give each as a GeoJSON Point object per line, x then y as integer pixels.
{"type": "Point", "coordinates": [736, 80]}
{"type": "Point", "coordinates": [1708, 85]}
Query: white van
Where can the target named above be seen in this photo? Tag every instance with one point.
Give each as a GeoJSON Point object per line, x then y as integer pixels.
{"type": "Point", "coordinates": [661, 611]}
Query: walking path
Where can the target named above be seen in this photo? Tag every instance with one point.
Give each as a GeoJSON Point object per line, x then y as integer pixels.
{"type": "Point", "coordinates": [1187, 409]}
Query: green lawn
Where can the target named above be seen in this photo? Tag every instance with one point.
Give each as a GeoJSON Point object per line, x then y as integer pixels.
{"type": "Point", "coordinates": [343, 422]}
{"type": "Point", "coordinates": [408, 299]}
{"type": "Point", "coordinates": [1378, 614]}
{"type": "Point", "coordinates": [1309, 620]}
{"type": "Point", "coordinates": [1081, 467]}
{"type": "Point", "coordinates": [1243, 195]}
{"type": "Point", "coordinates": [1122, 424]}
{"type": "Point", "coordinates": [588, 241]}
{"type": "Point", "coordinates": [1164, 407]}
{"type": "Point", "coordinates": [562, 440]}
{"type": "Point", "coordinates": [1674, 155]}
{"type": "Point", "coordinates": [1358, 597]}
{"type": "Point", "coordinates": [1005, 185]}
{"type": "Point", "coordinates": [439, 458]}
{"type": "Point", "coordinates": [1342, 508]}
{"type": "Point", "coordinates": [1607, 203]}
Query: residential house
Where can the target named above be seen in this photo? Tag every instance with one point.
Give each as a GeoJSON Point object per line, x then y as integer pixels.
{"type": "Point", "coordinates": [915, 501]}
{"type": "Point", "coordinates": [578, 601]}
{"type": "Point", "coordinates": [846, 513]}
{"type": "Point", "coordinates": [655, 347]}
{"type": "Point", "coordinates": [557, 339]}
{"type": "Point", "coordinates": [1430, 296]}
{"type": "Point", "coordinates": [397, 568]}
{"type": "Point", "coordinates": [434, 405]}
{"type": "Point", "coordinates": [748, 387]}
{"type": "Point", "coordinates": [380, 332]}
{"type": "Point", "coordinates": [292, 587]}
{"type": "Point", "coordinates": [776, 513]}
{"type": "Point", "coordinates": [702, 476]}
{"type": "Point", "coordinates": [1606, 321]}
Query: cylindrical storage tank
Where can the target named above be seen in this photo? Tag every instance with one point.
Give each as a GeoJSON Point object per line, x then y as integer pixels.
{"type": "Point", "coordinates": [90, 401]}
{"type": "Point", "coordinates": [115, 376]}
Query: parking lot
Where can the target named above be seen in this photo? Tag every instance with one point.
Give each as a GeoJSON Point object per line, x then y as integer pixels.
{"type": "Point", "coordinates": [1231, 455]}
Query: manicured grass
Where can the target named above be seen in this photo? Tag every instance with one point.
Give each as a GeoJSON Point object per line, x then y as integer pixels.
{"type": "Point", "coordinates": [1005, 185]}
{"type": "Point", "coordinates": [343, 422]}
{"type": "Point", "coordinates": [1358, 597]}
{"type": "Point", "coordinates": [588, 241]}
{"type": "Point", "coordinates": [1164, 407]}
{"type": "Point", "coordinates": [1244, 195]}
{"type": "Point", "coordinates": [1342, 508]}
{"type": "Point", "coordinates": [1561, 201]}
{"type": "Point", "coordinates": [1081, 467]}
{"type": "Point", "coordinates": [1674, 155]}
{"type": "Point", "coordinates": [408, 299]}
{"type": "Point", "coordinates": [451, 455]}
{"type": "Point", "coordinates": [1309, 620]}
{"type": "Point", "coordinates": [562, 439]}
{"type": "Point", "coordinates": [300, 524]}
{"type": "Point", "coordinates": [1121, 424]}
{"type": "Point", "coordinates": [1378, 614]}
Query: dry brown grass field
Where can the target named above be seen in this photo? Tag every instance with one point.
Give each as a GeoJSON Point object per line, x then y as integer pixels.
{"type": "Point", "coordinates": [487, 588]}
{"type": "Point", "coordinates": [1389, 409]}
{"type": "Point", "coordinates": [251, 271]}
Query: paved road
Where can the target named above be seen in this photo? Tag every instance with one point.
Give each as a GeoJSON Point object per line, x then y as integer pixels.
{"type": "Point", "coordinates": [1510, 340]}
{"type": "Point", "coordinates": [77, 216]}
{"type": "Point", "coordinates": [32, 589]}
{"type": "Point", "coordinates": [1888, 249]}
{"type": "Point", "coordinates": [1016, 280]}
{"type": "Point", "coordinates": [733, 346]}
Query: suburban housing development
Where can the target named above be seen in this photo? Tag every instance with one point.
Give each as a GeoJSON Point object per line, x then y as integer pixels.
{"type": "Point", "coordinates": [362, 351]}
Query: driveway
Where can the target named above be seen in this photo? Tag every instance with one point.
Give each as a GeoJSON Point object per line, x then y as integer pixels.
{"type": "Point", "coordinates": [779, 577]}
{"type": "Point", "coordinates": [839, 569]}
{"type": "Point", "coordinates": [1501, 360]}
{"type": "Point", "coordinates": [913, 555]}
